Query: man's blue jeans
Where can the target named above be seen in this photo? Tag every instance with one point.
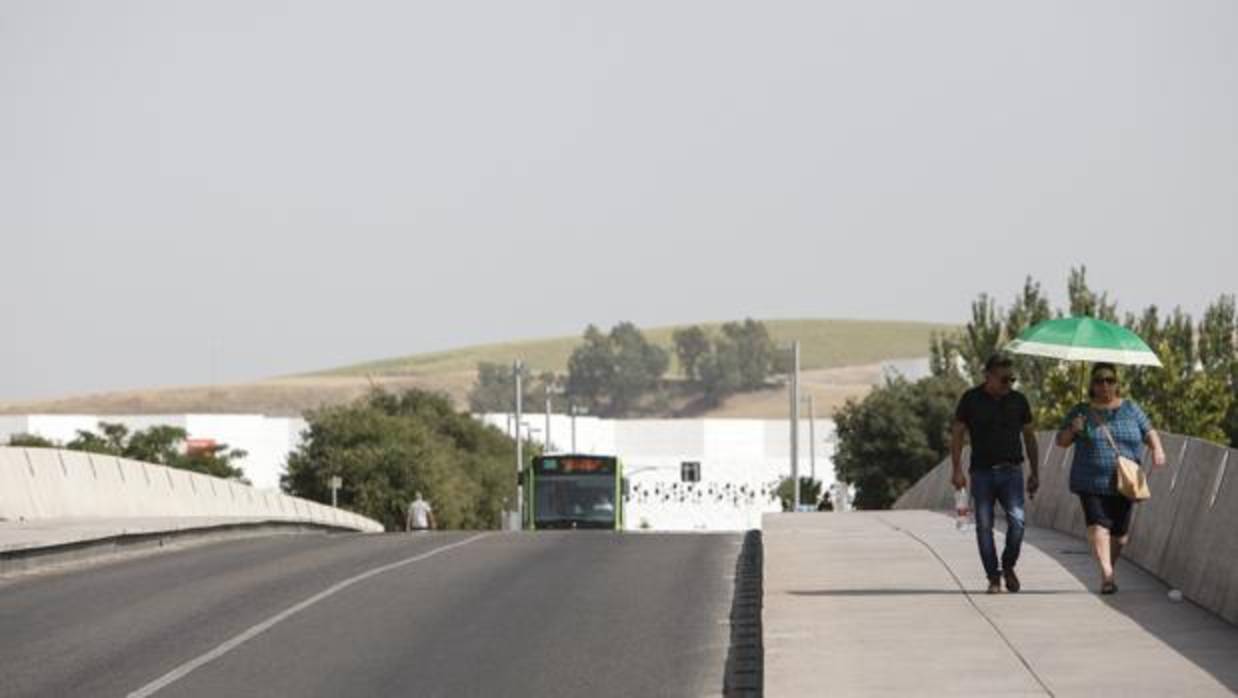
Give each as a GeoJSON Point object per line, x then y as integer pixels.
{"type": "Point", "coordinates": [990, 485]}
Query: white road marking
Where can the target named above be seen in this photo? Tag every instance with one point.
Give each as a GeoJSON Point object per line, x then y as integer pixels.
{"type": "Point", "coordinates": [185, 669]}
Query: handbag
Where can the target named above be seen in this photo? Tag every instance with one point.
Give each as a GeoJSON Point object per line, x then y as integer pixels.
{"type": "Point", "coordinates": [1132, 481]}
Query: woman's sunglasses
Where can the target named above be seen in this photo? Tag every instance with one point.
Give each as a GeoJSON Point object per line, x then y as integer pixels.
{"type": "Point", "coordinates": [1107, 380]}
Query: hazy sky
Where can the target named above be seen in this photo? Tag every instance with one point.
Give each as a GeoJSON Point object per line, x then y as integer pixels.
{"type": "Point", "coordinates": [287, 186]}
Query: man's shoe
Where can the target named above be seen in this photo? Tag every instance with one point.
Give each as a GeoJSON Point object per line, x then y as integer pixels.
{"type": "Point", "coordinates": [1012, 581]}
{"type": "Point", "coordinates": [995, 586]}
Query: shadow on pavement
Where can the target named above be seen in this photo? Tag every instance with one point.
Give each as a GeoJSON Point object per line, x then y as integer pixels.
{"type": "Point", "coordinates": [1202, 637]}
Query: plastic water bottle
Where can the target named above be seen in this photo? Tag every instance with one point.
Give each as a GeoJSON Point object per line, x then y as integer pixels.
{"type": "Point", "coordinates": [962, 510]}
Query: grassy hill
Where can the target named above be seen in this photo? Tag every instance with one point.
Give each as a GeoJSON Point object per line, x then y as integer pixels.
{"type": "Point", "coordinates": [823, 344]}
{"type": "Point", "coordinates": [839, 359]}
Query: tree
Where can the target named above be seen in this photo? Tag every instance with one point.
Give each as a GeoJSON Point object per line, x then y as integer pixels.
{"type": "Point", "coordinates": [721, 371]}
{"type": "Point", "coordinates": [691, 343]}
{"type": "Point", "coordinates": [591, 369]}
{"type": "Point", "coordinates": [1085, 301]}
{"type": "Point", "coordinates": [810, 492]}
{"type": "Point", "coordinates": [162, 445]}
{"type": "Point", "coordinates": [1218, 353]}
{"type": "Point", "coordinates": [495, 388]}
{"type": "Point", "coordinates": [91, 442]}
{"type": "Point", "coordinates": [639, 366]}
{"type": "Point", "coordinates": [894, 436]}
{"type": "Point", "coordinates": [30, 441]}
{"type": "Point", "coordinates": [755, 352]}
{"type": "Point", "coordinates": [386, 447]}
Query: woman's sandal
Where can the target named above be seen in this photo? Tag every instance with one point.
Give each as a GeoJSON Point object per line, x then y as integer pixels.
{"type": "Point", "coordinates": [1109, 587]}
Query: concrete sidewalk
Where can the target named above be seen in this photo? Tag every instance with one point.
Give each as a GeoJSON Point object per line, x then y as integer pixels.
{"type": "Point", "coordinates": [871, 604]}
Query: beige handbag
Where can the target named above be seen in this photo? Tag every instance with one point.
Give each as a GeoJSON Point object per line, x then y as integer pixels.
{"type": "Point", "coordinates": [1132, 481]}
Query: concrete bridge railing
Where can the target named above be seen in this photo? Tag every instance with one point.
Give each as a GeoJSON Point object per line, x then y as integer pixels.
{"type": "Point", "coordinates": [44, 483]}
{"type": "Point", "coordinates": [1187, 534]}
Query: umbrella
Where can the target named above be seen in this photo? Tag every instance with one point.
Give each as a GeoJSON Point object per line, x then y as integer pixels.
{"type": "Point", "coordinates": [1082, 338]}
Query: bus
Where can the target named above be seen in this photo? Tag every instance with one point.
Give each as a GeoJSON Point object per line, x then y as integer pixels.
{"type": "Point", "coordinates": [574, 491]}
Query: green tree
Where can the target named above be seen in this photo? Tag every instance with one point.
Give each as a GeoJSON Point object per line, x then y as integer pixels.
{"type": "Point", "coordinates": [721, 371]}
{"type": "Point", "coordinates": [810, 492]}
{"type": "Point", "coordinates": [755, 351]}
{"type": "Point", "coordinates": [896, 434]}
{"type": "Point", "coordinates": [162, 445]}
{"type": "Point", "coordinates": [91, 442]}
{"type": "Point", "coordinates": [30, 441]}
{"type": "Point", "coordinates": [691, 343]}
{"type": "Point", "coordinates": [1085, 301]}
{"type": "Point", "coordinates": [590, 370]}
{"type": "Point", "coordinates": [1218, 353]}
{"type": "Point", "coordinates": [386, 447]}
{"type": "Point", "coordinates": [639, 367]}
{"type": "Point", "coordinates": [495, 388]}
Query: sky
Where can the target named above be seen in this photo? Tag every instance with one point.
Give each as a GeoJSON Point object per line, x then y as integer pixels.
{"type": "Point", "coordinates": [215, 191]}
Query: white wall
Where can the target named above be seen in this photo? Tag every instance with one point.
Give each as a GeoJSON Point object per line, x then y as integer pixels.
{"type": "Point", "coordinates": [267, 441]}
{"type": "Point", "coordinates": [742, 460]}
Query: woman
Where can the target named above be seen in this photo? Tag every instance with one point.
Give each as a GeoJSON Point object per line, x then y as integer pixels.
{"type": "Point", "coordinates": [1093, 473]}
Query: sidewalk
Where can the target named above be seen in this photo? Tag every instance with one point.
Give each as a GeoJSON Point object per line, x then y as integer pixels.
{"type": "Point", "coordinates": [861, 604]}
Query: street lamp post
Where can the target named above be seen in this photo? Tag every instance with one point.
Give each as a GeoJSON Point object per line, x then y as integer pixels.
{"type": "Point", "coordinates": [812, 438]}
{"type": "Point", "coordinates": [795, 423]}
{"type": "Point", "coordinates": [516, 369]}
{"type": "Point", "coordinates": [547, 432]}
{"type": "Point", "coordinates": [574, 409]}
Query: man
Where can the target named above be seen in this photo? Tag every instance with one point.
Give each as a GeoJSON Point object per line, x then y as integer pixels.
{"type": "Point", "coordinates": [420, 515]}
{"type": "Point", "coordinates": [994, 416]}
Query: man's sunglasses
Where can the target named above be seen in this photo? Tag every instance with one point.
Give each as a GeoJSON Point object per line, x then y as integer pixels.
{"type": "Point", "coordinates": [1108, 380]}
{"type": "Point", "coordinates": [1008, 380]}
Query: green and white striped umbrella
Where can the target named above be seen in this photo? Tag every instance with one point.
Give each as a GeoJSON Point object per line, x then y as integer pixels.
{"type": "Point", "coordinates": [1084, 339]}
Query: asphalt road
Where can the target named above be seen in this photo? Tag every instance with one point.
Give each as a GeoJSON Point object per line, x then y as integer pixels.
{"type": "Point", "coordinates": [445, 614]}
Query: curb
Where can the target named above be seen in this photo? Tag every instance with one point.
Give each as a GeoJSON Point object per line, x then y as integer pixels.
{"type": "Point", "coordinates": [745, 657]}
{"type": "Point", "coordinates": [100, 549]}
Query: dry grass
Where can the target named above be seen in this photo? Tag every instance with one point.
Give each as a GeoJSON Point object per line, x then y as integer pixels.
{"type": "Point", "coordinates": [823, 344]}
{"type": "Point", "coordinates": [839, 357]}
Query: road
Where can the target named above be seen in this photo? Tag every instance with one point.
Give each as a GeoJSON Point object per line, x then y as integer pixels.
{"type": "Point", "coordinates": [443, 614]}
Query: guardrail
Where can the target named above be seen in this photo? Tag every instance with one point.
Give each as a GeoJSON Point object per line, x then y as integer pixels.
{"type": "Point", "coordinates": [48, 483]}
{"type": "Point", "coordinates": [1187, 534]}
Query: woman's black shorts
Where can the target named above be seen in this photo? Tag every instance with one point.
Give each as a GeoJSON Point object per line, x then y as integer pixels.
{"type": "Point", "coordinates": [1112, 511]}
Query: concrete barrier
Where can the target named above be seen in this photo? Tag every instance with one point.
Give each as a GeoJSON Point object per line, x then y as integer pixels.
{"type": "Point", "coordinates": [1154, 518]}
{"type": "Point", "coordinates": [1187, 534]}
{"type": "Point", "coordinates": [41, 483]}
{"type": "Point", "coordinates": [1184, 558]}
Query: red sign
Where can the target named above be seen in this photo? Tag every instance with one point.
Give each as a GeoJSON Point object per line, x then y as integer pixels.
{"type": "Point", "coordinates": [196, 447]}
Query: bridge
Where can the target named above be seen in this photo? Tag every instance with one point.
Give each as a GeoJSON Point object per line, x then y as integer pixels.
{"type": "Point", "coordinates": [866, 603]}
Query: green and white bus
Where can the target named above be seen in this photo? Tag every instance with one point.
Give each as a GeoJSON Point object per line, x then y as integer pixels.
{"type": "Point", "coordinates": [574, 491]}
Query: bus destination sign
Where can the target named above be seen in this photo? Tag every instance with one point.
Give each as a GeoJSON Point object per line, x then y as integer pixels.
{"type": "Point", "coordinates": [574, 465]}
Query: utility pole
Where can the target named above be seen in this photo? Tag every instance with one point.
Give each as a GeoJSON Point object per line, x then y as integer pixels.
{"type": "Point", "coordinates": [795, 422]}
{"type": "Point", "coordinates": [572, 409]}
{"type": "Point", "coordinates": [519, 454]}
{"type": "Point", "coordinates": [812, 437]}
{"type": "Point", "coordinates": [547, 434]}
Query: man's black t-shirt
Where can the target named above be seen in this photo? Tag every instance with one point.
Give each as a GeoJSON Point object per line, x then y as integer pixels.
{"type": "Point", "coordinates": [995, 425]}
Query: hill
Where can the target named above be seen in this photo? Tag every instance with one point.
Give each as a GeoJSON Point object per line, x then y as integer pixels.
{"type": "Point", "coordinates": [839, 359]}
{"type": "Point", "coordinates": [823, 344]}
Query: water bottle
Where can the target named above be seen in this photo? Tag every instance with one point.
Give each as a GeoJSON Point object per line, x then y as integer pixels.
{"type": "Point", "coordinates": [962, 510]}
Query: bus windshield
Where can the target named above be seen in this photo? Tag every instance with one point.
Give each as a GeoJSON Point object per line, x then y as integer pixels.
{"type": "Point", "coordinates": [585, 501]}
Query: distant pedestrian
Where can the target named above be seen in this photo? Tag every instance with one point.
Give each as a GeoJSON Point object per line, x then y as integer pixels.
{"type": "Point", "coordinates": [1092, 427]}
{"type": "Point", "coordinates": [420, 515]}
{"type": "Point", "coordinates": [995, 417]}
